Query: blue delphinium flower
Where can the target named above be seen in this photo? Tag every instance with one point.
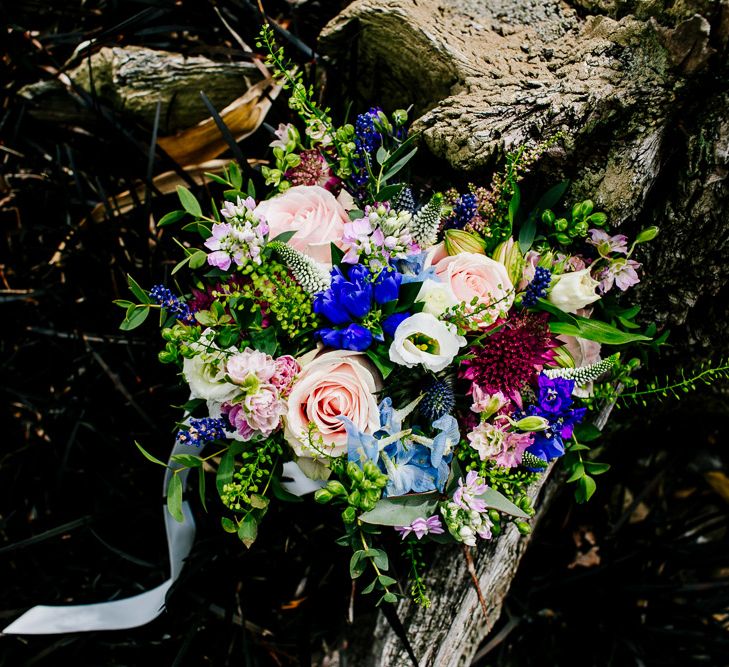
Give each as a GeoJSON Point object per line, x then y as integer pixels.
{"type": "Point", "coordinates": [172, 304]}
{"type": "Point", "coordinates": [350, 300]}
{"type": "Point", "coordinates": [554, 403]}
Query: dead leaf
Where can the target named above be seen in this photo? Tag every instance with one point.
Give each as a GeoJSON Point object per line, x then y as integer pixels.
{"type": "Point", "coordinates": [242, 116]}
{"type": "Point", "coordinates": [719, 482]}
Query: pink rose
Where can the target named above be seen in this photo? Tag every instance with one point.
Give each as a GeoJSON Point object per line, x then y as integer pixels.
{"type": "Point", "coordinates": [313, 213]}
{"type": "Point", "coordinates": [474, 276]}
{"type": "Point", "coordinates": [287, 368]}
{"type": "Point", "coordinates": [335, 383]}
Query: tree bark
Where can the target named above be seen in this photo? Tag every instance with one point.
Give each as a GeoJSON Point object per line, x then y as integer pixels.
{"type": "Point", "coordinates": [133, 79]}
{"type": "Point", "coordinates": [641, 95]}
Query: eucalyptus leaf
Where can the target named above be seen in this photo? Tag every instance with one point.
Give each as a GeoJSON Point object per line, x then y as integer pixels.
{"type": "Point", "coordinates": [174, 498]}
{"type": "Point", "coordinates": [148, 456]}
{"type": "Point", "coordinates": [497, 501]}
{"type": "Point", "coordinates": [402, 510]}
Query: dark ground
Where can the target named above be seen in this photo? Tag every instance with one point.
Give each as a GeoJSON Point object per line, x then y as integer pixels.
{"type": "Point", "coordinates": [80, 517]}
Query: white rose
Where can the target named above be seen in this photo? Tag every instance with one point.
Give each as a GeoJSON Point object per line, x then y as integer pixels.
{"type": "Point", "coordinates": [572, 291]}
{"type": "Point", "coordinates": [423, 339]}
{"type": "Point", "coordinates": [205, 372]}
{"type": "Point", "coordinates": [437, 297]}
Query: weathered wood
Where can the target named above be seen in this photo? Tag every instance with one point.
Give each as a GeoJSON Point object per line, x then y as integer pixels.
{"type": "Point", "coordinates": [643, 102]}
{"type": "Point", "coordinates": [133, 79]}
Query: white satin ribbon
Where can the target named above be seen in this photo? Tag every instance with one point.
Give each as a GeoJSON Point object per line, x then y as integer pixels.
{"type": "Point", "coordinates": [143, 608]}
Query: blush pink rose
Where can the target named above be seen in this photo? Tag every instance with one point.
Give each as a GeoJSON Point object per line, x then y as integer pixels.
{"type": "Point", "coordinates": [335, 383]}
{"type": "Point", "coordinates": [475, 276]}
{"type": "Point", "coordinates": [313, 213]}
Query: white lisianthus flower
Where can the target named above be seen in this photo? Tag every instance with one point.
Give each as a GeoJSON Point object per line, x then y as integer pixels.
{"type": "Point", "coordinates": [572, 291]}
{"type": "Point", "coordinates": [205, 372]}
{"type": "Point", "coordinates": [437, 297]}
{"type": "Point", "coordinates": [424, 339]}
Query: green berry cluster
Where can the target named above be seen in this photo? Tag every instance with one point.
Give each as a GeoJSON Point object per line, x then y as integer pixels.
{"type": "Point", "coordinates": [178, 337]}
{"type": "Point", "coordinates": [245, 490]}
{"type": "Point", "coordinates": [575, 224]}
{"type": "Point", "coordinates": [360, 488]}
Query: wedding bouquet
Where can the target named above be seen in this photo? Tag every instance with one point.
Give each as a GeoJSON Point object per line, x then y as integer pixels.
{"type": "Point", "coordinates": [417, 361]}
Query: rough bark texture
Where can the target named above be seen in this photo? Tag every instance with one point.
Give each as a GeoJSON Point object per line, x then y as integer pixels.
{"type": "Point", "coordinates": [641, 99]}
{"type": "Point", "coordinates": [133, 79]}
{"type": "Point", "coordinates": [641, 93]}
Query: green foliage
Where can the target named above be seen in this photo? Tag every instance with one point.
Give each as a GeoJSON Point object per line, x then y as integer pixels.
{"type": "Point", "coordinates": [580, 470]}
{"type": "Point", "coordinates": [573, 224]}
{"type": "Point", "coordinates": [418, 590]}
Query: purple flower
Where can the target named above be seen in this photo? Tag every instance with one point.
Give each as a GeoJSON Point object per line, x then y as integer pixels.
{"type": "Point", "coordinates": [622, 272]}
{"type": "Point", "coordinates": [387, 286]}
{"type": "Point", "coordinates": [355, 337]}
{"type": "Point", "coordinates": [466, 494]}
{"type": "Point", "coordinates": [421, 527]}
{"type": "Point", "coordinates": [554, 395]}
{"type": "Point", "coordinates": [240, 239]}
{"type": "Point", "coordinates": [607, 244]}
{"type": "Point", "coordinates": [392, 322]}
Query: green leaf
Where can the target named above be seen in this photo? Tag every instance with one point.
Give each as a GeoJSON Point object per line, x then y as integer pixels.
{"type": "Point", "coordinates": [188, 460]}
{"type": "Point", "coordinates": [381, 559]}
{"type": "Point", "coordinates": [402, 149]}
{"type": "Point", "coordinates": [551, 197]}
{"type": "Point", "coordinates": [283, 237]}
{"type": "Point", "coordinates": [388, 192]}
{"type": "Point", "coordinates": [135, 317]}
{"type": "Point", "coordinates": [514, 204]}
{"type": "Point", "coordinates": [370, 587]}
{"type": "Point", "coordinates": [399, 165]}
{"type": "Point", "coordinates": [188, 201]}
{"type": "Point", "coordinates": [219, 180]}
{"type": "Point", "coordinates": [174, 498]}
{"type": "Point", "coordinates": [180, 264]}
{"type": "Point", "coordinates": [198, 259]}
{"type": "Point", "coordinates": [148, 456]}
{"type": "Point", "coordinates": [171, 218]}
{"type": "Point", "coordinates": [225, 470]}
{"type": "Point", "coordinates": [595, 468]}
{"type": "Point", "coordinates": [259, 502]}
{"type": "Point", "coordinates": [236, 178]}
{"type": "Point", "coordinates": [265, 340]}
{"type": "Point", "coordinates": [408, 293]}
{"type": "Point", "coordinates": [384, 365]}
{"type": "Point", "coordinates": [401, 510]}
{"type": "Point", "coordinates": [600, 332]}
{"type": "Point", "coordinates": [248, 530]}
{"type": "Point", "coordinates": [587, 432]}
{"type": "Point", "coordinates": [585, 488]}
{"type": "Point", "coordinates": [385, 580]}
{"type": "Point", "coordinates": [357, 564]}
{"type": "Point", "coordinates": [138, 291]}
{"type": "Point", "coordinates": [390, 597]}
{"type": "Point", "coordinates": [201, 487]}
{"type": "Point", "coordinates": [337, 255]}
{"type": "Point", "coordinates": [497, 501]}
{"type": "Point", "coordinates": [228, 525]}
{"type": "Point", "coordinates": [381, 155]}
{"type": "Point", "coordinates": [578, 471]}
{"type": "Point", "coordinates": [627, 323]}
{"type": "Point", "coordinates": [527, 233]}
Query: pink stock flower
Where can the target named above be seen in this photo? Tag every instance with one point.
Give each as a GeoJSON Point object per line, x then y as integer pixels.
{"type": "Point", "coordinates": [250, 362]}
{"type": "Point", "coordinates": [466, 494]}
{"type": "Point", "coordinates": [497, 444]}
{"type": "Point", "coordinates": [286, 371]}
{"type": "Point", "coordinates": [622, 273]}
{"type": "Point", "coordinates": [607, 244]}
{"type": "Point", "coordinates": [237, 418]}
{"type": "Point", "coordinates": [264, 409]}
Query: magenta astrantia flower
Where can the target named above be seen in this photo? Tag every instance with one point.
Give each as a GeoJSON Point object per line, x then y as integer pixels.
{"type": "Point", "coordinates": [239, 240]}
{"type": "Point", "coordinates": [622, 273]}
{"type": "Point", "coordinates": [313, 170]}
{"type": "Point", "coordinates": [512, 355]}
{"type": "Point", "coordinates": [466, 495]}
{"type": "Point", "coordinates": [495, 443]}
{"type": "Point", "coordinates": [421, 527]}
{"type": "Point", "coordinates": [607, 244]}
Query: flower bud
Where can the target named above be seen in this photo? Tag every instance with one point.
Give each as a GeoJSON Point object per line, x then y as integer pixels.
{"type": "Point", "coordinates": [561, 224]}
{"type": "Point", "coordinates": [523, 527]}
{"type": "Point", "coordinates": [548, 217]}
{"type": "Point", "coordinates": [532, 423]}
{"type": "Point", "coordinates": [509, 254]}
{"type": "Point", "coordinates": [456, 241]}
{"type": "Point", "coordinates": [336, 488]}
{"type": "Point", "coordinates": [647, 234]}
{"type": "Point", "coordinates": [562, 357]}
{"type": "Point", "coordinates": [322, 496]}
{"type": "Point", "coordinates": [349, 515]}
{"type": "Point", "coordinates": [399, 117]}
{"type": "Point", "coordinates": [494, 516]}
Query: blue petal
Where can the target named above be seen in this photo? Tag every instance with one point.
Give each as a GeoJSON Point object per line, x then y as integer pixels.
{"type": "Point", "coordinates": [355, 337]}
{"type": "Point", "coordinates": [387, 286]}
{"type": "Point", "coordinates": [331, 337]}
{"type": "Point", "coordinates": [360, 446]}
{"type": "Point", "coordinates": [391, 323]}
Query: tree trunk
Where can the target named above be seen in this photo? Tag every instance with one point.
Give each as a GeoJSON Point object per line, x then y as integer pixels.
{"type": "Point", "coordinates": [641, 95]}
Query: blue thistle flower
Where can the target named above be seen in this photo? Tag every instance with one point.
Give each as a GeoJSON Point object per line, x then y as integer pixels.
{"type": "Point", "coordinates": [537, 288]}
{"type": "Point", "coordinates": [201, 431]}
{"type": "Point", "coordinates": [439, 400]}
{"type": "Point", "coordinates": [172, 304]}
